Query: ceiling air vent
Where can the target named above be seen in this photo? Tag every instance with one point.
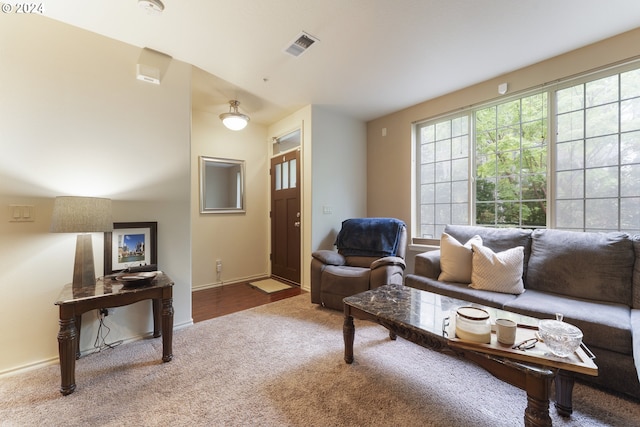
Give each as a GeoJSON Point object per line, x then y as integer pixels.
{"type": "Point", "coordinates": [301, 44]}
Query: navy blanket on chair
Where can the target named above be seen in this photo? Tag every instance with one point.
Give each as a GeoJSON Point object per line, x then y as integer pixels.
{"type": "Point", "coordinates": [369, 237]}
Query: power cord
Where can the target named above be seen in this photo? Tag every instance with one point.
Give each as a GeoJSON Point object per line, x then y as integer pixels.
{"type": "Point", "coordinates": [101, 338]}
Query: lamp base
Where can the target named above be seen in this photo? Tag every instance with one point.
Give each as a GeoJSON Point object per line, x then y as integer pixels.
{"type": "Point", "coordinates": [83, 269]}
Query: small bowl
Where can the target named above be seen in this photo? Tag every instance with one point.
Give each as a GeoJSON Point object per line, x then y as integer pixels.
{"type": "Point", "coordinates": [562, 338]}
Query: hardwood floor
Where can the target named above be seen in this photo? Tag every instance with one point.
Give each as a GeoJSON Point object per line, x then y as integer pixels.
{"type": "Point", "coordinates": [221, 300]}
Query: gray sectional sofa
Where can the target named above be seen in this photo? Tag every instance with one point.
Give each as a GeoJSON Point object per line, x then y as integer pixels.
{"type": "Point", "coordinates": [593, 279]}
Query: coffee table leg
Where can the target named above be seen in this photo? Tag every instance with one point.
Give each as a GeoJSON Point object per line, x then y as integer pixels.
{"type": "Point", "coordinates": [564, 393]}
{"type": "Point", "coordinates": [537, 412]}
{"type": "Point", "coordinates": [349, 331]}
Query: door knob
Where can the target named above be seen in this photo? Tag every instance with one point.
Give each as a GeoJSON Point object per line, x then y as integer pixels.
{"type": "Point", "coordinates": [296, 224]}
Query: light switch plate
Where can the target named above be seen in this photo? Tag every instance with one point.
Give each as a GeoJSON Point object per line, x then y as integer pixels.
{"type": "Point", "coordinates": [22, 213]}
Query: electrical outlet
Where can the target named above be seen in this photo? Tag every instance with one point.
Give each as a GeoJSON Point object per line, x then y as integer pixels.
{"type": "Point", "coordinates": [104, 312]}
{"type": "Point", "coordinates": [218, 265]}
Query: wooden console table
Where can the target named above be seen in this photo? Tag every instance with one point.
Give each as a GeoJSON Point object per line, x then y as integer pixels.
{"type": "Point", "coordinates": [107, 293]}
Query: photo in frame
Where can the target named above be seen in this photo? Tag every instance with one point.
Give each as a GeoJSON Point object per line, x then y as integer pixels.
{"type": "Point", "coordinates": [130, 244]}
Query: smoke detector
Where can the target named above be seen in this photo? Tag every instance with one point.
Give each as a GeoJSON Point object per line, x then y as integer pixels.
{"type": "Point", "coordinates": [154, 7]}
{"type": "Point", "coordinates": [300, 44]}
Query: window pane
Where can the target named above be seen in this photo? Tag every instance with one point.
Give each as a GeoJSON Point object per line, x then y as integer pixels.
{"type": "Point", "coordinates": [443, 192]}
{"type": "Point", "coordinates": [443, 213]}
{"type": "Point", "coordinates": [460, 147]}
{"type": "Point", "coordinates": [601, 182]}
{"type": "Point", "coordinates": [428, 193]}
{"type": "Point", "coordinates": [534, 160]}
{"type": "Point", "coordinates": [278, 176]}
{"type": "Point", "coordinates": [460, 213]}
{"type": "Point", "coordinates": [428, 173]}
{"type": "Point", "coordinates": [292, 173]}
{"type": "Point", "coordinates": [630, 84]}
{"type": "Point", "coordinates": [460, 169]}
{"type": "Point", "coordinates": [630, 214]}
{"type": "Point", "coordinates": [443, 150]}
{"type": "Point", "coordinates": [570, 185]}
{"type": "Point", "coordinates": [570, 99]}
{"type": "Point", "coordinates": [601, 151]}
{"type": "Point", "coordinates": [570, 214]}
{"type": "Point", "coordinates": [443, 130]}
{"type": "Point", "coordinates": [427, 153]}
{"type": "Point", "coordinates": [602, 91]}
{"type": "Point", "coordinates": [428, 134]}
{"type": "Point", "coordinates": [285, 175]}
{"type": "Point", "coordinates": [570, 155]}
{"type": "Point", "coordinates": [460, 192]}
{"type": "Point", "coordinates": [602, 120]}
{"type": "Point", "coordinates": [508, 114]}
{"type": "Point", "coordinates": [428, 213]}
{"type": "Point", "coordinates": [570, 126]}
{"type": "Point", "coordinates": [534, 133]}
{"type": "Point", "coordinates": [534, 213]}
{"type": "Point", "coordinates": [485, 190]}
{"type": "Point", "coordinates": [601, 214]}
{"type": "Point", "coordinates": [534, 187]}
{"type": "Point", "coordinates": [630, 115]}
{"type": "Point", "coordinates": [630, 180]}
{"type": "Point", "coordinates": [443, 171]}
{"type": "Point", "coordinates": [630, 148]}
{"type": "Point", "coordinates": [485, 214]}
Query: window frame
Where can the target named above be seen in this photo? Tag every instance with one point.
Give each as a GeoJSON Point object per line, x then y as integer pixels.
{"type": "Point", "coordinates": [552, 145]}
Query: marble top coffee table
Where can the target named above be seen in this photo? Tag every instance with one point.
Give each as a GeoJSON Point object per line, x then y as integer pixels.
{"type": "Point", "coordinates": [426, 319]}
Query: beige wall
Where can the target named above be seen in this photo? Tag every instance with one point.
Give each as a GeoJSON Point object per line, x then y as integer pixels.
{"type": "Point", "coordinates": [75, 121]}
{"type": "Point", "coordinates": [389, 193]}
{"type": "Point", "coordinates": [240, 240]}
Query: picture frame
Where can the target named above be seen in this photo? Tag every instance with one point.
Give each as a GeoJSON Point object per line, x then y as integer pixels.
{"type": "Point", "coordinates": [130, 244]}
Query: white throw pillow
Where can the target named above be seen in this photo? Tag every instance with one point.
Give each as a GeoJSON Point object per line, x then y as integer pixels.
{"type": "Point", "coordinates": [498, 272]}
{"type": "Point", "coordinates": [455, 259]}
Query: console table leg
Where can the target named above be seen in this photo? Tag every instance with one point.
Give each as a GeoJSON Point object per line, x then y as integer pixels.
{"type": "Point", "coordinates": [67, 343]}
{"type": "Point", "coordinates": [564, 393]}
{"type": "Point", "coordinates": [156, 305]}
{"type": "Point", "coordinates": [167, 329]}
{"type": "Point", "coordinates": [349, 331]}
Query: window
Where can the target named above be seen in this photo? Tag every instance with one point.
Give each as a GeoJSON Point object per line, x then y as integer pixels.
{"type": "Point", "coordinates": [501, 165]}
{"type": "Point", "coordinates": [444, 175]}
{"type": "Point", "coordinates": [598, 154]}
{"type": "Point", "coordinates": [511, 163]}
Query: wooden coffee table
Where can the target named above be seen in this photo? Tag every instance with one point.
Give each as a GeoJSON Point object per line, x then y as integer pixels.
{"type": "Point", "coordinates": [427, 319]}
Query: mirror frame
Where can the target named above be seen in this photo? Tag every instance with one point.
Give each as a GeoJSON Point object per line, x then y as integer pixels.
{"type": "Point", "coordinates": [205, 188]}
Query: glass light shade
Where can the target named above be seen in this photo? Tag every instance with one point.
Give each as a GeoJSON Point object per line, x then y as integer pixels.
{"type": "Point", "coordinates": [234, 121]}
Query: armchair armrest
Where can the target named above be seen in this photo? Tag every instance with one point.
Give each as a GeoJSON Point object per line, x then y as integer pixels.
{"type": "Point", "coordinates": [328, 257]}
{"type": "Point", "coordinates": [387, 261]}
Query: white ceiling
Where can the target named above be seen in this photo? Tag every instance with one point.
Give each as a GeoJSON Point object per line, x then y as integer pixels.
{"type": "Point", "coordinates": [374, 57]}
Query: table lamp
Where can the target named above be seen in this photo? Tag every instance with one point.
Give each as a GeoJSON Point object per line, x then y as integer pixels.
{"type": "Point", "coordinates": [82, 215]}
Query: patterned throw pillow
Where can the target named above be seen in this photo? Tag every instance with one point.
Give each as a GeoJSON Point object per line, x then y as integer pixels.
{"type": "Point", "coordinates": [455, 259]}
{"type": "Point", "coordinates": [498, 272]}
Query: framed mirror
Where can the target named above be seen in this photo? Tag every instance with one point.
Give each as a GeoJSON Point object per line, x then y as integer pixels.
{"type": "Point", "coordinates": [221, 185]}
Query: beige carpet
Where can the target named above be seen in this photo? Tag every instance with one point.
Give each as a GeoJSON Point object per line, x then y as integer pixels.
{"type": "Point", "coordinates": [281, 365]}
{"type": "Point", "coordinates": [270, 285]}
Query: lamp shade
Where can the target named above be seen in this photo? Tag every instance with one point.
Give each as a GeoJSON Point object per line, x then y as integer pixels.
{"type": "Point", "coordinates": [81, 215]}
{"type": "Point", "coordinates": [234, 119]}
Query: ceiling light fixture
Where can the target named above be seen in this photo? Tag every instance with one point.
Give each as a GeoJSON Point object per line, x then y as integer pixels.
{"type": "Point", "coordinates": [151, 6]}
{"type": "Point", "coordinates": [234, 120]}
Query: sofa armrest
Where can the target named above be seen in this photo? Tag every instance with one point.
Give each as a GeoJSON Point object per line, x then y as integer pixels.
{"type": "Point", "coordinates": [328, 257]}
{"type": "Point", "coordinates": [387, 261]}
{"type": "Point", "coordinates": [635, 338]}
{"type": "Point", "coordinates": [427, 264]}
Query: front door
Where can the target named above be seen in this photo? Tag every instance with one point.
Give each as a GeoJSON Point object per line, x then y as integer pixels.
{"type": "Point", "coordinates": [285, 216]}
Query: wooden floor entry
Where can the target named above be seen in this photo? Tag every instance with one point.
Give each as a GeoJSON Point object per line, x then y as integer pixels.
{"type": "Point", "coordinates": [227, 299]}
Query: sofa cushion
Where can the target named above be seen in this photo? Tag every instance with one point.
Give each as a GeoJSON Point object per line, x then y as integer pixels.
{"type": "Point", "coordinates": [498, 272]}
{"type": "Point", "coordinates": [459, 291]}
{"type": "Point", "coordinates": [603, 325]}
{"type": "Point", "coordinates": [455, 259]}
{"type": "Point", "coordinates": [496, 239]}
{"type": "Point", "coordinates": [595, 266]}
